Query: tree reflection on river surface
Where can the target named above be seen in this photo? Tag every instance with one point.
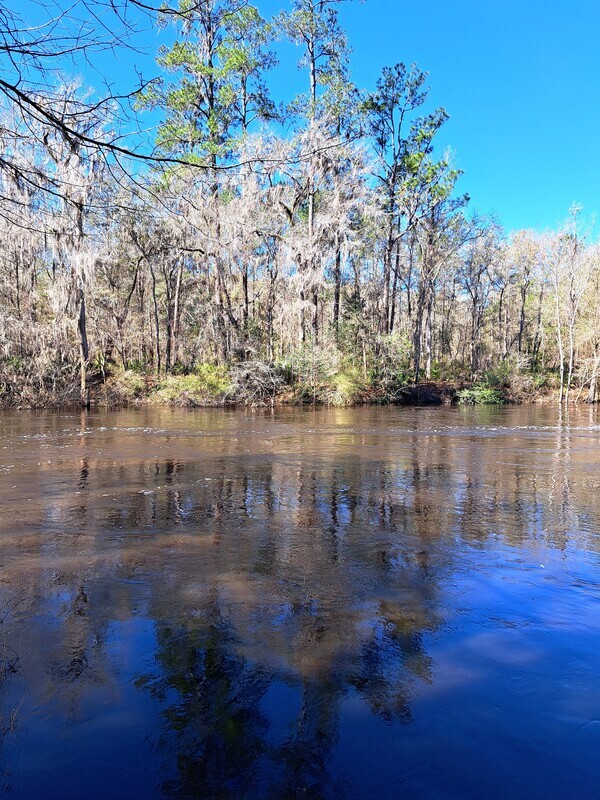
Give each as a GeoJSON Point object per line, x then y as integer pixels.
{"type": "Point", "coordinates": [305, 604]}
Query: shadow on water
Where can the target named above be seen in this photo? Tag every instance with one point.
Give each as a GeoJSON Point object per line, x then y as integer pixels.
{"type": "Point", "coordinates": [306, 605]}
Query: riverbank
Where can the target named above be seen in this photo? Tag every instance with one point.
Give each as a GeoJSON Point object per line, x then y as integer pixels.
{"type": "Point", "coordinates": [261, 384]}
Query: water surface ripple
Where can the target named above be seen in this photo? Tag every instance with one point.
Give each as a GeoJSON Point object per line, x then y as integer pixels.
{"type": "Point", "coordinates": [365, 603]}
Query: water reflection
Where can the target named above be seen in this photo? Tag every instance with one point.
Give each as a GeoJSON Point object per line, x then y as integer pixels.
{"type": "Point", "coordinates": [226, 605]}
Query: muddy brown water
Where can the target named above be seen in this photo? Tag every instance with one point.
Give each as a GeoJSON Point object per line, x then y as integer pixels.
{"type": "Point", "coordinates": [365, 603]}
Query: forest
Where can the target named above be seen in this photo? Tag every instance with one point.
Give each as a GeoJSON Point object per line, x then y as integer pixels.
{"type": "Point", "coordinates": [318, 250]}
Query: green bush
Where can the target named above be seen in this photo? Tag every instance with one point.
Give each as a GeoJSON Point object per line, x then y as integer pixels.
{"type": "Point", "coordinates": [310, 370]}
{"type": "Point", "coordinates": [344, 388]}
{"type": "Point", "coordinates": [215, 378]}
{"type": "Point", "coordinates": [480, 394]}
{"type": "Point", "coordinates": [207, 383]}
{"type": "Point", "coordinates": [12, 363]}
{"type": "Point", "coordinates": [391, 368]}
{"type": "Point", "coordinates": [136, 366]}
{"type": "Point", "coordinates": [129, 384]}
{"type": "Point", "coordinates": [542, 380]}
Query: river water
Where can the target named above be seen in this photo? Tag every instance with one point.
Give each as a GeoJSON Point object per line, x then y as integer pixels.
{"type": "Point", "coordinates": [364, 603]}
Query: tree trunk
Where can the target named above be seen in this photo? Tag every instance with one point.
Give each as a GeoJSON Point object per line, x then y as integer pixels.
{"type": "Point", "coordinates": [429, 336]}
{"type": "Point", "coordinates": [246, 312]}
{"type": "Point", "coordinates": [418, 332]}
{"type": "Point", "coordinates": [537, 342]}
{"type": "Point", "coordinates": [156, 321]}
{"type": "Point", "coordinates": [559, 341]}
{"type": "Point", "coordinates": [315, 316]}
{"type": "Point", "coordinates": [337, 278]}
{"type": "Point", "coordinates": [395, 288]}
{"type": "Point", "coordinates": [84, 351]}
{"type": "Point", "coordinates": [593, 380]}
{"type": "Point", "coordinates": [571, 359]}
{"type": "Point", "coordinates": [176, 311]}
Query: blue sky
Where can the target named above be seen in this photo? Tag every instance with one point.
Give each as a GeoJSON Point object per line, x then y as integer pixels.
{"type": "Point", "coordinates": [520, 80]}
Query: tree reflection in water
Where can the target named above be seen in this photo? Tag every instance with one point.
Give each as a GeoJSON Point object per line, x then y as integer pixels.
{"type": "Point", "coordinates": [298, 610]}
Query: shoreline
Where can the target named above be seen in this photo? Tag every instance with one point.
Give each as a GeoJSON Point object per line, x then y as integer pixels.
{"type": "Point", "coordinates": [428, 393]}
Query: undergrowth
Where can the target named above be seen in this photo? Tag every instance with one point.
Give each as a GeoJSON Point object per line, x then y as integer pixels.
{"type": "Point", "coordinates": [480, 394]}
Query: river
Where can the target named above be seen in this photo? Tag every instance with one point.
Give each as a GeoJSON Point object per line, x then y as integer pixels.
{"type": "Point", "coordinates": [362, 603]}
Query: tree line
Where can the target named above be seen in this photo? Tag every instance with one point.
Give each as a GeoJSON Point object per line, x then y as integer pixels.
{"type": "Point", "coordinates": [322, 244]}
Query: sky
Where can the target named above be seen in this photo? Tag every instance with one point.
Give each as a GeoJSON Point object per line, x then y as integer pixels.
{"type": "Point", "coordinates": [519, 78]}
{"type": "Point", "coordinates": [521, 82]}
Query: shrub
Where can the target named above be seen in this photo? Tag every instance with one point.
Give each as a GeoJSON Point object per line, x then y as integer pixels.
{"type": "Point", "coordinates": [12, 363]}
{"type": "Point", "coordinates": [344, 388]}
{"type": "Point", "coordinates": [128, 384]}
{"type": "Point", "coordinates": [256, 383]}
{"type": "Point", "coordinates": [311, 369]}
{"type": "Point", "coordinates": [207, 384]}
{"type": "Point", "coordinates": [480, 394]}
{"type": "Point", "coordinates": [214, 378]}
